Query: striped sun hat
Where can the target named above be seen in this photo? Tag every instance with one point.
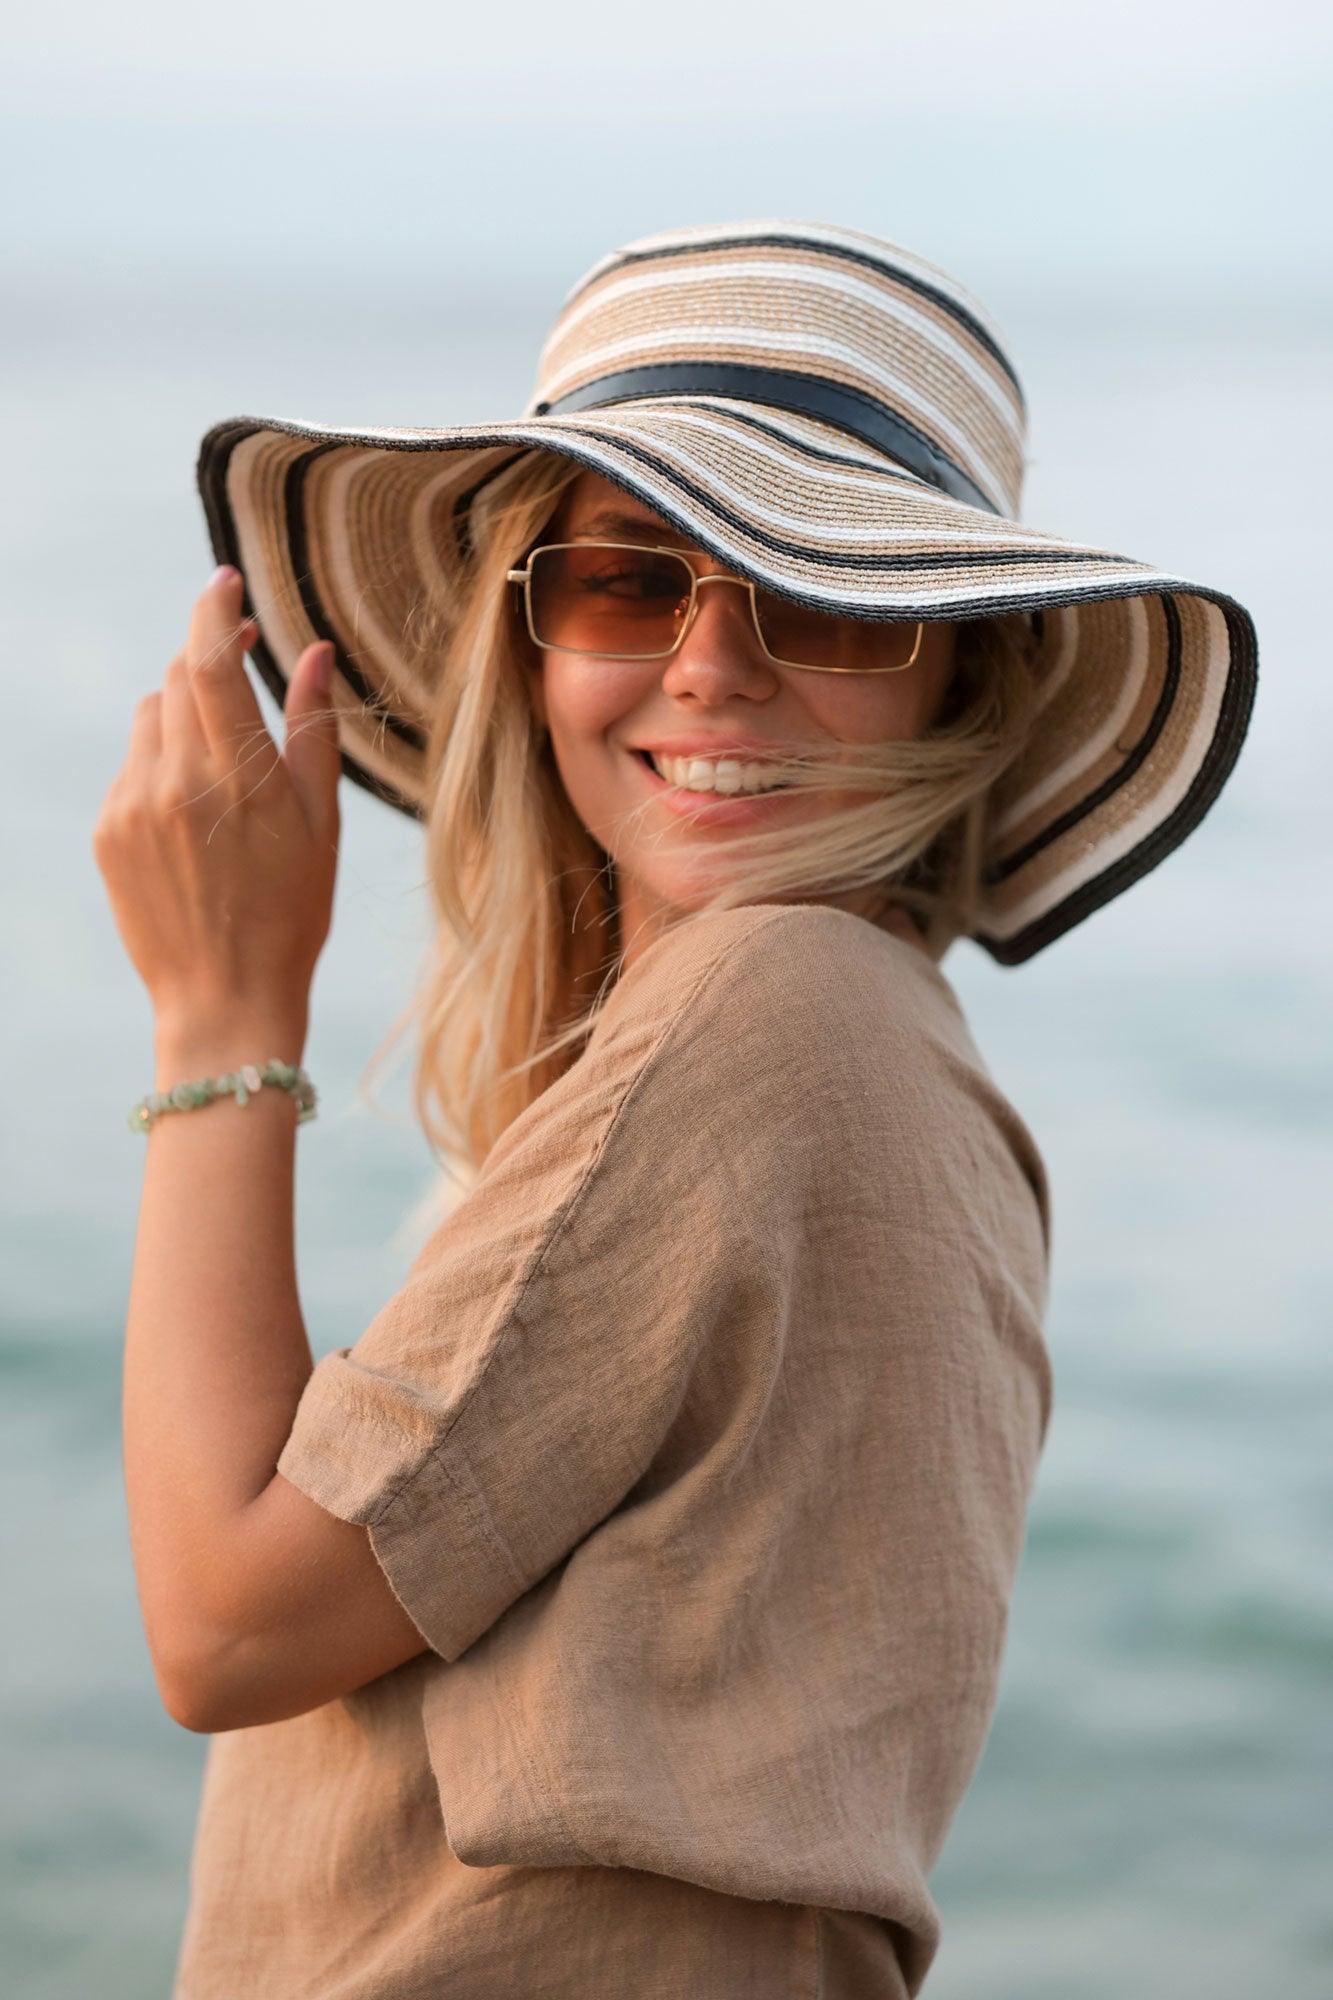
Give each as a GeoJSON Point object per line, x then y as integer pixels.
{"type": "Point", "coordinates": [834, 418]}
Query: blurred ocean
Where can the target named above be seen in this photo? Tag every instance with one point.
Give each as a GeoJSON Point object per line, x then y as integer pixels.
{"type": "Point", "coordinates": [1152, 1812]}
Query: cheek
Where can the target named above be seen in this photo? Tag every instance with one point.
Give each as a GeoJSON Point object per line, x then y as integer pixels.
{"type": "Point", "coordinates": [892, 707]}
{"type": "Point", "coordinates": [878, 709]}
{"type": "Point", "coordinates": [585, 704]}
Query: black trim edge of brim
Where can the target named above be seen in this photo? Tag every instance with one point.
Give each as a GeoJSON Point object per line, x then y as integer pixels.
{"type": "Point", "coordinates": [1233, 720]}
{"type": "Point", "coordinates": [1001, 871]}
{"type": "Point", "coordinates": [210, 477]}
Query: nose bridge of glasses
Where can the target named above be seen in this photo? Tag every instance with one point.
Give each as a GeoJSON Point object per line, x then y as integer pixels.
{"type": "Point", "coordinates": [716, 577]}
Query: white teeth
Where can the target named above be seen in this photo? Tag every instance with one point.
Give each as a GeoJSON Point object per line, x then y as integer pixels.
{"type": "Point", "coordinates": [703, 774]}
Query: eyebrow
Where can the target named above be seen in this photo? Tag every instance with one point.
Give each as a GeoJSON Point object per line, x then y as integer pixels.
{"type": "Point", "coordinates": [633, 527]}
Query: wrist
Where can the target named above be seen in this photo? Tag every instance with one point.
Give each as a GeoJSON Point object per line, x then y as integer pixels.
{"type": "Point", "coordinates": [193, 1042]}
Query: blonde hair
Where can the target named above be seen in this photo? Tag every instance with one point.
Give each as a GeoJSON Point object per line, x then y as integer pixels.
{"type": "Point", "coordinates": [526, 942]}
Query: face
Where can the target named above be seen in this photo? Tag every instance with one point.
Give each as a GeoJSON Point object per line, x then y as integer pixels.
{"type": "Point", "coordinates": [718, 687]}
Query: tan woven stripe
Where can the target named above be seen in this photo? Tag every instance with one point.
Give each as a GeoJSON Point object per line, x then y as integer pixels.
{"type": "Point", "coordinates": [797, 429]}
{"type": "Point", "coordinates": [637, 309]}
{"type": "Point", "coordinates": [256, 482]}
{"type": "Point", "coordinates": [1076, 721]}
{"type": "Point", "coordinates": [375, 518]}
{"type": "Point", "coordinates": [1143, 800]}
{"type": "Point", "coordinates": [715, 465]}
{"type": "Point", "coordinates": [617, 283]}
{"type": "Point", "coordinates": [358, 507]}
{"type": "Point", "coordinates": [996, 465]}
{"type": "Point", "coordinates": [822, 238]}
{"type": "Point", "coordinates": [634, 321]}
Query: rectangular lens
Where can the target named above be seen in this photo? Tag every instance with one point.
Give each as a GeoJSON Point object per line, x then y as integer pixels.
{"type": "Point", "coordinates": [804, 637]}
{"type": "Point", "coordinates": [598, 597]}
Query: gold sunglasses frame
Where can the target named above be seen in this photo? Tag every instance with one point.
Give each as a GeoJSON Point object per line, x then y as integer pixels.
{"type": "Point", "coordinates": [524, 576]}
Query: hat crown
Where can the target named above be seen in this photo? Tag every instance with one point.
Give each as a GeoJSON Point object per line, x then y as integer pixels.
{"type": "Point", "coordinates": [849, 329]}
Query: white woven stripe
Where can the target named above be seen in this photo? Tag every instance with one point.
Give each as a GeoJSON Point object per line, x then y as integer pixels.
{"type": "Point", "coordinates": [277, 603]}
{"type": "Point", "coordinates": [801, 430]}
{"type": "Point", "coordinates": [668, 500]}
{"type": "Point", "coordinates": [1095, 745]}
{"type": "Point", "coordinates": [367, 629]}
{"type": "Point", "coordinates": [923, 523]}
{"type": "Point", "coordinates": [815, 277]}
{"type": "Point", "coordinates": [599, 360]}
{"type": "Point", "coordinates": [1095, 844]}
{"type": "Point", "coordinates": [424, 544]}
{"type": "Point", "coordinates": [282, 616]}
{"type": "Point", "coordinates": [878, 247]}
{"type": "Point", "coordinates": [1099, 848]}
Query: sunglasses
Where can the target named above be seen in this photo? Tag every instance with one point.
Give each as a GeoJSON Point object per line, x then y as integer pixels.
{"type": "Point", "coordinates": [625, 601]}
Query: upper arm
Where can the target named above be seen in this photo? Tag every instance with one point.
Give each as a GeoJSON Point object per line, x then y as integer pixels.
{"type": "Point", "coordinates": [303, 1613]}
{"type": "Point", "coordinates": [503, 1403]}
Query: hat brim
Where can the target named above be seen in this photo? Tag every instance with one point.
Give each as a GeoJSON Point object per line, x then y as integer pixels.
{"type": "Point", "coordinates": [1148, 678]}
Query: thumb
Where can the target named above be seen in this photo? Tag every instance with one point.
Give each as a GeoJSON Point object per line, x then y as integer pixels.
{"type": "Point", "coordinates": [311, 748]}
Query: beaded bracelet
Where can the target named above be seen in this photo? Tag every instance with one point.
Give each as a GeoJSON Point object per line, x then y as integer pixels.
{"type": "Point", "coordinates": [241, 1083]}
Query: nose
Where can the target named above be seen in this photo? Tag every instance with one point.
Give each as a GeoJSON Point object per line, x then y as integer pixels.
{"type": "Point", "coordinates": [736, 609]}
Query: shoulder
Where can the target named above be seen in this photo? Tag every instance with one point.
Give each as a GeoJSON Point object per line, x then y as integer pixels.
{"type": "Point", "coordinates": [765, 939]}
{"type": "Point", "coordinates": [805, 1028]}
{"type": "Point", "coordinates": [775, 1002]}
{"type": "Point", "coordinates": [782, 968]}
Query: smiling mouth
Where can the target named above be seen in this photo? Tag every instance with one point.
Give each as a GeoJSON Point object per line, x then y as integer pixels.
{"type": "Point", "coordinates": [712, 792]}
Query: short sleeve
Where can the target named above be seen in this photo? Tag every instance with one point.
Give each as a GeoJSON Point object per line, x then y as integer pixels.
{"type": "Point", "coordinates": [516, 1388]}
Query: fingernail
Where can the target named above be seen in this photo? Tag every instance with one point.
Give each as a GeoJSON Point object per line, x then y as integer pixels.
{"type": "Point", "coordinates": [321, 674]}
{"type": "Point", "coordinates": [224, 571]}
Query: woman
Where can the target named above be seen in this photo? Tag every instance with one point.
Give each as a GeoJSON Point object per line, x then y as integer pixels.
{"type": "Point", "coordinates": [624, 1611]}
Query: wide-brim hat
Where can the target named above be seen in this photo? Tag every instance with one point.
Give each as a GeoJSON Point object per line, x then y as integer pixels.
{"type": "Point", "coordinates": [830, 416]}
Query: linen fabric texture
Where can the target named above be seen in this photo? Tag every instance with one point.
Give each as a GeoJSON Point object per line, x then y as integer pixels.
{"type": "Point", "coordinates": [698, 1444]}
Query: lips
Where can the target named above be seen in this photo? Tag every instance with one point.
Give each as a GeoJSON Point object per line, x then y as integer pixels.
{"type": "Point", "coordinates": [707, 808]}
{"type": "Point", "coordinates": [649, 756]}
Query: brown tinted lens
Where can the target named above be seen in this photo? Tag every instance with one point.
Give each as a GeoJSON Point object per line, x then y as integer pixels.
{"type": "Point", "coordinates": [819, 639]}
{"type": "Point", "coordinates": [620, 602]}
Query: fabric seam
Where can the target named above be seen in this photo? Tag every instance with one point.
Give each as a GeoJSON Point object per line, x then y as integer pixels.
{"type": "Point", "coordinates": [565, 1215]}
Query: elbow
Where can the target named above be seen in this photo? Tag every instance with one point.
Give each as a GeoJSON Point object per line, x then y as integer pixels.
{"type": "Point", "coordinates": [210, 1696]}
{"type": "Point", "coordinates": [191, 1702]}
{"type": "Point", "coordinates": [191, 1689]}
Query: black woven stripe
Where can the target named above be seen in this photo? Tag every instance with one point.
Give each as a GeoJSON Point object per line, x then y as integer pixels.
{"type": "Point", "coordinates": [1215, 768]}
{"type": "Point", "coordinates": [865, 258]}
{"type": "Point", "coordinates": [820, 454]}
{"type": "Point", "coordinates": [462, 509]}
{"type": "Point", "coordinates": [851, 410]}
{"type": "Point", "coordinates": [1001, 871]}
{"type": "Point", "coordinates": [816, 454]}
{"type": "Point", "coordinates": [211, 481]}
{"type": "Point", "coordinates": [293, 503]}
{"type": "Point", "coordinates": [706, 504]}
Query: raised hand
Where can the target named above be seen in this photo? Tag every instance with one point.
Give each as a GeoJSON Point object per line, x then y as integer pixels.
{"type": "Point", "coordinates": [218, 850]}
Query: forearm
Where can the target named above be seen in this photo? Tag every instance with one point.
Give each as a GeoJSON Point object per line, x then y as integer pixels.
{"type": "Point", "coordinates": [216, 1351]}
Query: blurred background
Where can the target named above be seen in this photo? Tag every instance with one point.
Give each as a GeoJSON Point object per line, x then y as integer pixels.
{"type": "Point", "coordinates": [355, 215]}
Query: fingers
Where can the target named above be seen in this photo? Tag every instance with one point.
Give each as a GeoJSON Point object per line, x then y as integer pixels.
{"type": "Point", "coordinates": [222, 700]}
{"type": "Point", "coordinates": [182, 734]}
{"type": "Point", "coordinates": [146, 728]}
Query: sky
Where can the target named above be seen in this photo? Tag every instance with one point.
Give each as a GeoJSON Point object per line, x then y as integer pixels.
{"type": "Point", "coordinates": [1091, 153]}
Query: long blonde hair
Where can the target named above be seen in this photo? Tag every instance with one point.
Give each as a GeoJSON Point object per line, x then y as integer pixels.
{"type": "Point", "coordinates": [526, 941]}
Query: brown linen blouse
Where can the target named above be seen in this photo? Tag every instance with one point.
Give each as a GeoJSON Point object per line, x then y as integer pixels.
{"type": "Point", "coordinates": [698, 1444]}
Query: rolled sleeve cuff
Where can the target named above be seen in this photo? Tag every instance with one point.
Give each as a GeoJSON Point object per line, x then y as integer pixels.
{"type": "Point", "coordinates": [430, 1527]}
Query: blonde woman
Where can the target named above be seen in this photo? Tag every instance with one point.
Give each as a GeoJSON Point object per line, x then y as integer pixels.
{"type": "Point", "coordinates": [623, 1612]}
